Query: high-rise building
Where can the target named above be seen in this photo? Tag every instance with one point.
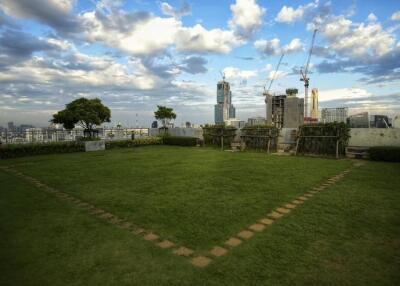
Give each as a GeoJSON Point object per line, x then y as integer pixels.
{"type": "Point", "coordinates": [10, 126]}
{"type": "Point", "coordinates": [314, 103]}
{"type": "Point", "coordinates": [223, 110]}
{"type": "Point", "coordinates": [329, 115]}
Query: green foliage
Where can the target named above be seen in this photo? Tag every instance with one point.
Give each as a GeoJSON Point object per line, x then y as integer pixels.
{"type": "Point", "coordinates": [133, 143]}
{"type": "Point", "coordinates": [87, 113]}
{"type": "Point", "coordinates": [257, 136]}
{"type": "Point", "coordinates": [213, 134]}
{"type": "Point", "coordinates": [180, 140]}
{"type": "Point", "coordinates": [22, 150]}
{"type": "Point", "coordinates": [164, 114]}
{"type": "Point", "coordinates": [323, 145]}
{"type": "Point", "coordinates": [385, 153]}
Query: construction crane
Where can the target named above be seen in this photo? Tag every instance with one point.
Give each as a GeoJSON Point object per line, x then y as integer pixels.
{"type": "Point", "coordinates": [223, 75]}
{"type": "Point", "coordinates": [266, 92]}
{"type": "Point", "coordinates": [304, 75]}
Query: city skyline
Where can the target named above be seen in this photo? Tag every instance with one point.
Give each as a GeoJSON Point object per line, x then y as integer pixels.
{"type": "Point", "coordinates": [134, 55]}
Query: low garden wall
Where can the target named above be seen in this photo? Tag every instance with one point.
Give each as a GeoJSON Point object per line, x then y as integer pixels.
{"type": "Point", "coordinates": [370, 137]}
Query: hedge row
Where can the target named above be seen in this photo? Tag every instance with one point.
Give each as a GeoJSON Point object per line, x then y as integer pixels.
{"type": "Point", "coordinates": [385, 153]}
{"type": "Point", "coordinates": [133, 143]}
{"type": "Point", "coordinates": [22, 150]}
{"type": "Point", "coordinates": [180, 141]}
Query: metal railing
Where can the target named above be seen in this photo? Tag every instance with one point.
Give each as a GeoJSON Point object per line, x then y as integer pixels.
{"type": "Point", "coordinates": [47, 135]}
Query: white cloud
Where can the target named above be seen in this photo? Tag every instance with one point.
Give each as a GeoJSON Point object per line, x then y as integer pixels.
{"type": "Point", "coordinates": [246, 17]}
{"type": "Point", "coordinates": [395, 16]}
{"type": "Point", "coordinates": [289, 15]}
{"type": "Point", "coordinates": [168, 10]}
{"type": "Point", "coordinates": [272, 47]}
{"type": "Point", "coordinates": [198, 39]}
{"type": "Point", "coordinates": [277, 75]}
{"type": "Point", "coordinates": [22, 9]}
{"type": "Point", "coordinates": [236, 73]}
{"type": "Point", "coordinates": [372, 18]}
{"type": "Point", "coordinates": [342, 94]}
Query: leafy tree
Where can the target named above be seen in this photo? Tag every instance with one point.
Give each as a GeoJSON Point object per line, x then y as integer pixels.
{"type": "Point", "coordinates": [87, 113]}
{"type": "Point", "coordinates": [164, 114]}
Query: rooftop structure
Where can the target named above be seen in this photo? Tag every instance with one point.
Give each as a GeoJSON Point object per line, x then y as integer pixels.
{"type": "Point", "coordinates": [360, 120]}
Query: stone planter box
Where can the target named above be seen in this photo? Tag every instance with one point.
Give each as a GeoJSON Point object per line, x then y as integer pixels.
{"type": "Point", "coordinates": [95, 145]}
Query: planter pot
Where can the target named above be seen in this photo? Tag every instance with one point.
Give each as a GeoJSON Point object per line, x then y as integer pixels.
{"type": "Point", "coordinates": [98, 145]}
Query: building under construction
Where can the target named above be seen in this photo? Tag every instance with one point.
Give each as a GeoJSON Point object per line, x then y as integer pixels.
{"type": "Point", "coordinates": [285, 111]}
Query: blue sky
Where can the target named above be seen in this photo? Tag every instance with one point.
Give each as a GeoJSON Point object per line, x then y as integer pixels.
{"type": "Point", "coordinates": [136, 54]}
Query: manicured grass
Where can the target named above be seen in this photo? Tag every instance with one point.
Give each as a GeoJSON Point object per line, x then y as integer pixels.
{"type": "Point", "coordinates": [199, 197]}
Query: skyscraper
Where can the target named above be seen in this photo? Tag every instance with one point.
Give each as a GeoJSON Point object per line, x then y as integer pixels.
{"type": "Point", "coordinates": [314, 103]}
{"type": "Point", "coordinates": [224, 109]}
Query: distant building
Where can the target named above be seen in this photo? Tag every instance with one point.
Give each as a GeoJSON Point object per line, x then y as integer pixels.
{"type": "Point", "coordinates": [379, 121]}
{"type": "Point", "coordinates": [235, 123]}
{"type": "Point", "coordinates": [285, 111]}
{"type": "Point", "coordinates": [10, 126]}
{"type": "Point", "coordinates": [224, 109]}
{"type": "Point", "coordinates": [188, 124]}
{"type": "Point", "coordinates": [329, 115]}
{"type": "Point", "coordinates": [360, 120]}
{"type": "Point", "coordinates": [154, 124]}
{"type": "Point", "coordinates": [256, 121]}
{"type": "Point", "coordinates": [314, 103]}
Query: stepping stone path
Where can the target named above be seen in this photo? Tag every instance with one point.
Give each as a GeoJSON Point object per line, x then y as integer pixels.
{"type": "Point", "coordinates": [245, 234]}
{"type": "Point", "coordinates": [196, 260]}
{"type": "Point", "coordinates": [218, 251]}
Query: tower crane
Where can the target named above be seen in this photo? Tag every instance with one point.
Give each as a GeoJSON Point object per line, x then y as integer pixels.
{"type": "Point", "coordinates": [304, 75]}
{"type": "Point", "coordinates": [266, 92]}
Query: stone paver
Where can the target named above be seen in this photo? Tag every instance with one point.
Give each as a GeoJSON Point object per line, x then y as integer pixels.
{"type": "Point", "coordinates": [275, 215]}
{"type": "Point", "coordinates": [183, 251]}
{"type": "Point", "coordinates": [138, 231]}
{"type": "Point", "coordinates": [126, 225]}
{"type": "Point", "coordinates": [245, 234]}
{"type": "Point", "coordinates": [266, 221]}
{"type": "Point", "coordinates": [308, 195]}
{"type": "Point", "coordinates": [313, 192]}
{"type": "Point", "coordinates": [283, 210]}
{"type": "Point", "coordinates": [302, 198]}
{"type": "Point", "coordinates": [233, 241]}
{"type": "Point", "coordinates": [218, 251]}
{"type": "Point", "coordinates": [151, 237]}
{"type": "Point", "coordinates": [165, 244]}
{"type": "Point", "coordinates": [200, 261]}
{"type": "Point", "coordinates": [297, 202]}
{"type": "Point", "coordinates": [257, 227]}
{"type": "Point", "coordinates": [290, 206]}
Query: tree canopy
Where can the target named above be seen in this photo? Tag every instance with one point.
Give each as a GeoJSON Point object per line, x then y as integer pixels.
{"type": "Point", "coordinates": [87, 113]}
{"type": "Point", "coordinates": [165, 114]}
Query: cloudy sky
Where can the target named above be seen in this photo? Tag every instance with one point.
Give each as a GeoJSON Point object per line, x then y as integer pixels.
{"type": "Point", "coordinates": [135, 54]}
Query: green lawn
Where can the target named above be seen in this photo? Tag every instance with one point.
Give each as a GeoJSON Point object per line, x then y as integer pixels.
{"type": "Point", "coordinates": [198, 197]}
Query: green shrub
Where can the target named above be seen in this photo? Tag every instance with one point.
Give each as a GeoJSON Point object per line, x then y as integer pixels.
{"type": "Point", "coordinates": [133, 143]}
{"type": "Point", "coordinates": [258, 136]}
{"type": "Point", "coordinates": [21, 150]}
{"type": "Point", "coordinates": [180, 140]}
{"type": "Point", "coordinates": [213, 135]}
{"type": "Point", "coordinates": [385, 153]}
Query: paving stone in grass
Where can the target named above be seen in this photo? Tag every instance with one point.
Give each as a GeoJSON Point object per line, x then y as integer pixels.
{"type": "Point", "coordinates": [125, 225]}
{"type": "Point", "coordinates": [106, 215]}
{"type": "Point", "coordinates": [308, 195]}
{"type": "Point", "coordinates": [138, 231]}
{"type": "Point", "coordinates": [165, 244]}
{"type": "Point", "coordinates": [283, 210]}
{"type": "Point", "coordinates": [275, 215]}
{"type": "Point", "coordinates": [245, 234]}
{"type": "Point", "coordinates": [151, 237]}
{"type": "Point", "coordinates": [290, 206]}
{"type": "Point", "coordinates": [96, 211]}
{"type": "Point", "coordinates": [266, 221]}
{"type": "Point", "coordinates": [297, 202]}
{"type": "Point", "coordinates": [183, 251]}
{"type": "Point", "coordinates": [218, 251]}
{"type": "Point", "coordinates": [302, 198]}
{"type": "Point", "coordinates": [233, 241]}
{"type": "Point", "coordinates": [200, 261]}
{"type": "Point", "coordinates": [257, 227]}
{"type": "Point", "coordinates": [313, 192]}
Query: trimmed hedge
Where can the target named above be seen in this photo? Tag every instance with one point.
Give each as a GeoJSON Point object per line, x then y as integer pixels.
{"type": "Point", "coordinates": [180, 140]}
{"type": "Point", "coordinates": [22, 150]}
{"type": "Point", "coordinates": [133, 143]}
{"type": "Point", "coordinates": [385, 153]}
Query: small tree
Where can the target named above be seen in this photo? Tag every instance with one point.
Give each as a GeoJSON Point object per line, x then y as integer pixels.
{"type": "Point", "coordinates": [164, 114]}
{"type": "Point", "coordinates": [87, 113]}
